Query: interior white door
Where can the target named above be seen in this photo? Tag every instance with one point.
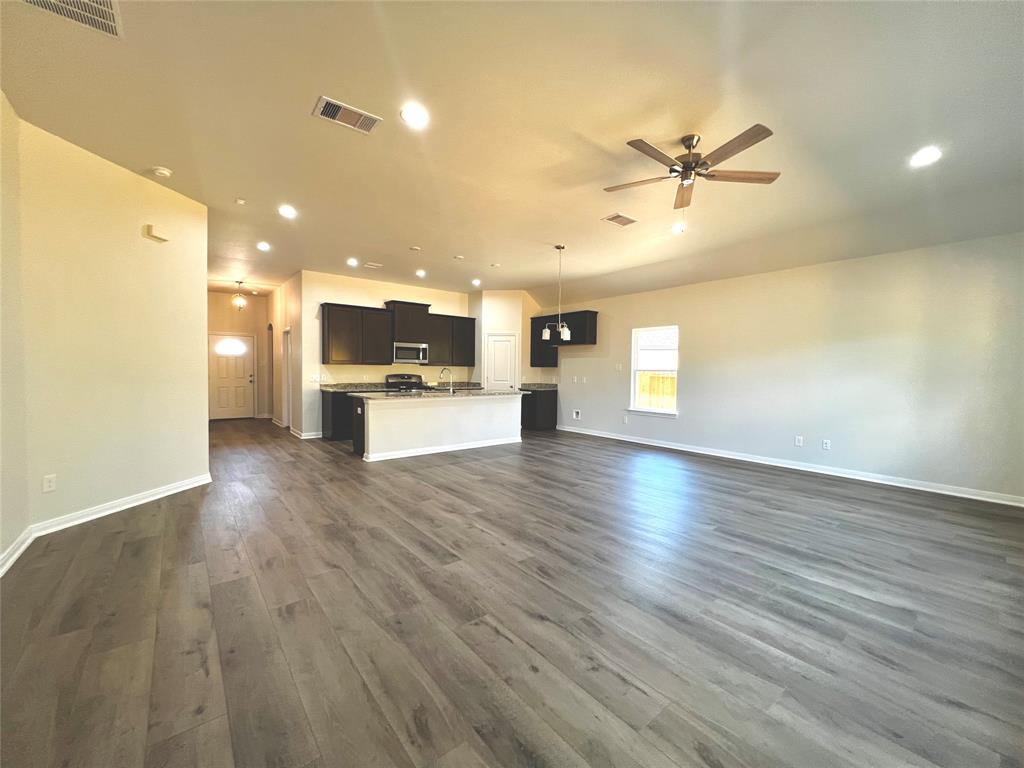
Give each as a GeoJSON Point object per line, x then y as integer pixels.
{"type": "Point", "coordinates": [231, 377]}
{"type": "Point", "coordinates": [501, 370]}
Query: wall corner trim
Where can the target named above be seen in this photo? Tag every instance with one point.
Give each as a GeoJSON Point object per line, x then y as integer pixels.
{"type": "Point", "coordinates": [34, 531]}
{"type": "Point", "coordinates": [819, 469]}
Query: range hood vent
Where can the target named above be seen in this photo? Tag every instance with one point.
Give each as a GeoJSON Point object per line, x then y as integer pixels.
{"type": "Point", "coordinates": [100, 15]}
{"type": "Point", "coordinates": [343, 114]}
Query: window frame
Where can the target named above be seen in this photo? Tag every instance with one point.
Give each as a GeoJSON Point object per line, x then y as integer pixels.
{"type": "Point", "coordinates": [634, 351]}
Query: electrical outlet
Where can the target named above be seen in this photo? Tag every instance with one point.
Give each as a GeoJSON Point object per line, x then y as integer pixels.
{"type": "Point", "coordinates": [798, 441]}
{"type": "Point", "coordinates": [576, 413]}
{"type": "Point", "coordinates": [49, 483]}
{"type": "Point", "coordinates": [826, 445]}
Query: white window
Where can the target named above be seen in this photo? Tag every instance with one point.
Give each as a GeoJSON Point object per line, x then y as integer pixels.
{"type": "Point", "coordinates": [654, 369]}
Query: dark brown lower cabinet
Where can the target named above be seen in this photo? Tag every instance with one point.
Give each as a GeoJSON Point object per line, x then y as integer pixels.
{"type": "Point", "coordinates": [540, 409]}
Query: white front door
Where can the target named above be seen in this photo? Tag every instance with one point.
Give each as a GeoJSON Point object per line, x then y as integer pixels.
{"type": "Point", "coordinates": [231, 377]}
{"type": "Point", "coordinates": [501, 369]}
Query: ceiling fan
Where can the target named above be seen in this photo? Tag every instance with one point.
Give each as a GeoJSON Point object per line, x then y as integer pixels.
{"type": "Point", "coordinates": [687, 167]}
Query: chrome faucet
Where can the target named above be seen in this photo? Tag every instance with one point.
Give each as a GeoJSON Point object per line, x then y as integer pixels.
{"type": "Point", "coordinates": [451, 379]}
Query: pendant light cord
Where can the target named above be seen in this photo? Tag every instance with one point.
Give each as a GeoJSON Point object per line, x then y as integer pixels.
{"type": "Point", "coordinates": [560, 248]}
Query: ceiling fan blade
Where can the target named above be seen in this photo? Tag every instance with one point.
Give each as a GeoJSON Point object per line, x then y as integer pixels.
{"type": "Point", "coordinates": [653, 152]}
{"type": "Point", "coordinates": [745, 140]}
{"type": "Point", "coordinates": [617, 187]}
{"type": "Point", "coordinates": [684, 193]}
{"type": "Point", "coordinates": [750, 177]}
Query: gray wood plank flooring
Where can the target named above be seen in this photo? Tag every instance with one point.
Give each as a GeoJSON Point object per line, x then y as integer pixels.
{"type": "Point", "coordinates": [568, 602]}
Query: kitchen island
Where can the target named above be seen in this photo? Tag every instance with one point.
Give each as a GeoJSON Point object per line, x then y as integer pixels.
{"type": "Point", "coordinates": [392, 425]}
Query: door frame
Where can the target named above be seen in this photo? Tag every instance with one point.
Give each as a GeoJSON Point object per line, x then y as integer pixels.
{"type": "Point", "coordinates": [255, 368]}
{"type": "Point", "coordinates": [286, 378]}
{"type": "Point", "coordinates": [517, 376]}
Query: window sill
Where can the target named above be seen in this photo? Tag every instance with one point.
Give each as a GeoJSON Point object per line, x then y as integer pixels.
{"type": "Point", "coordinates": [646, 412]}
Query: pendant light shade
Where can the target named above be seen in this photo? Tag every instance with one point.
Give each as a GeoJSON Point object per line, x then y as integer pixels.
{"type": "Point", "coordinates": [565, 332]}
{"type": "Point", "coordinates": [546, 334]}
{"type": "Point", "coordinates": [238, 300]}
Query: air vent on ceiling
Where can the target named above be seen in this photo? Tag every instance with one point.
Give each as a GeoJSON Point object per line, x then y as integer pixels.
{"type": "Point", "coordinates": [100, 15]}
{"type": "Point", "coordinates": [372, 264]}
{"type": "Point", "coordinates": [343, 114]}
{"type": "Point", "coordinates": [621, 219]}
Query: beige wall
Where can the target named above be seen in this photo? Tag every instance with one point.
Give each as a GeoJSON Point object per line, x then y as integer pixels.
{"type": "Point", "coordinates": [320, 287]}
{"type": "Point", "coordinates": [104, 332]}
{"type": "Point", "coordinates": [910, 363]}
{"type": "Point", "coordinates": [223, 317]}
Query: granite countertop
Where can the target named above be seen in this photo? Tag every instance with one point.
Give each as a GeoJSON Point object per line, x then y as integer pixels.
{"type": "Point", "coordinates": [539, 385]}
{"type": "Point", "coordinates": [378, 386]}
{"type": "Point", "coordinates": [435, 395]}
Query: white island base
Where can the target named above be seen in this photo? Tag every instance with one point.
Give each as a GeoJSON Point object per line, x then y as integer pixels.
{"type": "Point", "coordinates": [435, 422]}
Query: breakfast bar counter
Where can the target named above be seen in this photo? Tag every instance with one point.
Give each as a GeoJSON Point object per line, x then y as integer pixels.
{"type": "Point", "coordinates": [392, 425]}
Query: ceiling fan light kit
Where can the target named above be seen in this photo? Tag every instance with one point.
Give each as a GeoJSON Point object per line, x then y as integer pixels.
{"type": "Point", "coordinates": [690, 165]}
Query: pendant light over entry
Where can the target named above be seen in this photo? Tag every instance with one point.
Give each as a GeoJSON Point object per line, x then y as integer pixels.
{"type": "Point", "coordinates": [238, 300]}
{"type": "Point", "coordinates": [563, 330]}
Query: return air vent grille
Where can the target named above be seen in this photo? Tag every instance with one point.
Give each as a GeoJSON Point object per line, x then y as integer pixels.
{"type": "Point", "coordinates": [343, 114]}
{"type": "Point", "coordinates": [100, 15]}
{"type": "Point", "coordinates": [621, 219]}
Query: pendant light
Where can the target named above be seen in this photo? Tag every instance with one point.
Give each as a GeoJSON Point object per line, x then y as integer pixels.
{"type": "Point", "coordinates": [563, 330]}
{"type": "Point", "coordinates": [238, 300]}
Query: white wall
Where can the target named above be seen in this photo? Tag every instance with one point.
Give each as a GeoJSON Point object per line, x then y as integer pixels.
{"type": "Point", "coordinates": [910, 363]}
{"type": "Point", "coordinates": [320, 287]}
{"type": "Point", "coordinates": [104, 332]}
{"type": "Point", "coordinates": [224, 317]}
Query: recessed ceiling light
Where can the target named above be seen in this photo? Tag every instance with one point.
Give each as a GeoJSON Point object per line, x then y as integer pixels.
{"type": "Point", "coordinates": [263, 245]}
{"type": "Point", "coordinates": [240, 200]}
{"type": "Point", "coordinates": [352, 261]}
{"type": "Point", "coordinates": [476, 281]}
{"type": "Point", "coordinates": [415, 248]}
{"type": "Point", "coordinates": [163, 173]}
{"type": "Point", "coordinates": [458, 258]}
{"type": "Point", "coordinates": [415, 115]}
{"type": "Point", "coordinates": [495, 264]}
{"type": "Point", "coordinates": [421, 273]}
{"type": "Point", "coordinates": [288, 211]}
{"type": "Point", "coordinates": [678, 228]}
{"type": "Point", "coordinates": [925, 156]}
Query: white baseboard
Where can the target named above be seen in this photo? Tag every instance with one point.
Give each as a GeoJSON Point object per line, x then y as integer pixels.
{"type": "Point", "coordinates": [264, 416]}
{"type": "Point", "coordinates": [278, 423]}
{"type": "Point", "coordinates": [383, 456]}
{"type": "Point", "coordinates": [850, 474]}
{"type": "Point", "coordinates": [34, 531]}
{"type": "Point", "coordinates": [305, 435]}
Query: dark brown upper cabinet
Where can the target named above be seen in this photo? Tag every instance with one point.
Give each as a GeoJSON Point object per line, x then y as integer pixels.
{"type": "Point", "coordinates": [543, 354]}
{"type": "Point", "coordinates": [355, 335]}
{"type": "Point", "coordinates": [464, 341]}
{"type": "Point", "coordinates": [439, 339]}
{"type": "Point", "coordinates": [410, 321]}
{"type": "Point", "coordinates": [341, 334]}
{"type": "Point", "coordinates": [378, 339]}
{"type": "Point", "coordinates": [582, 328]}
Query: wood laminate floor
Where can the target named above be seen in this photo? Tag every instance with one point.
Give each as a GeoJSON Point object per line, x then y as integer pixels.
{"type": "Point", "coordinates": [564, 603]}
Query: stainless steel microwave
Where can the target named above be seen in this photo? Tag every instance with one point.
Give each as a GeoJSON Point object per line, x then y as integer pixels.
{"type": "Point", "coordinates": [408, 352]}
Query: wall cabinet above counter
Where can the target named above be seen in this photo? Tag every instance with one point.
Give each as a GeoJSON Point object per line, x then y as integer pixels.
{"type": "Point", "coordinates": [354, 335]}
{"type": "Point", "coordinates": [583, 330]}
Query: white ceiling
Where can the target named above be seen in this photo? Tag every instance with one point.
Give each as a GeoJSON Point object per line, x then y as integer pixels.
{"type": "Point", "coordinates": [531, 106]}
